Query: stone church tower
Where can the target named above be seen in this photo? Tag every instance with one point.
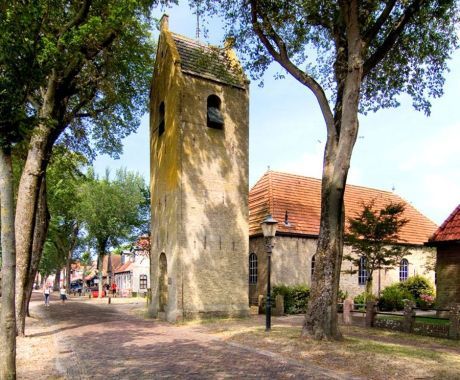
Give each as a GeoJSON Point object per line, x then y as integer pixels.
{"type": "Point", "coordinates": [199, 110]}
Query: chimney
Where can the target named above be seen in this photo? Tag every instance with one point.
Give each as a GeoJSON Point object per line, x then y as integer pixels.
{"type": "Point", "coordinates": [164, 22]}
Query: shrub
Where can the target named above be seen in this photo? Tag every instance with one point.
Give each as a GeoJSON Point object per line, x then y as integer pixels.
{"type": "Point", "coordinates": [295, 297]}
{"type": "Point", "coordinates": [417, 285]}
{"type": "Point", "coordinates": [363, 298]}
{"type": "Point", "coordinates": [393, 296]}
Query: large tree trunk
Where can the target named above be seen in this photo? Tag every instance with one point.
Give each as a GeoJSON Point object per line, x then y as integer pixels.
{"type": "Point", "coordinates": [40, 146]}
{"type": "Point", "coordinates": [7, 316]}
{"type": "Point", "coordinates": [73, 243]}
{"type": "Point", "coordinates": [100, 261]}
{"type": "Point", "coordinates": [57, 279]}
{"type": "Point", "coordinates": [26, 210]}
{"type": "Point", "coordinates": [321, 317]}
{"type": "Point", "coordinates": [40, 232]}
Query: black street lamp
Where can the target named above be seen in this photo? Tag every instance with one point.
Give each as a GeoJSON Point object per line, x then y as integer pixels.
{"type": "Point", "coordinates": [269, 230]}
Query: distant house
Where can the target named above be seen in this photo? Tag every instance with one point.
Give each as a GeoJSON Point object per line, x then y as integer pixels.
{"type": "Point", "coordinates": [132, 276]}
{"type": "Point", "coordinates": [447, 241]}
{"type": "Point", "coordinates": [295, 202]}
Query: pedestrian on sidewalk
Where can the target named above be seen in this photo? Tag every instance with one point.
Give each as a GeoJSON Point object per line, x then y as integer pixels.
{"type": "Point", "coordinates": [63, 294]}
{"type": "Point", "coordinates": [114, 289]}
{"type": "Point", "coordinates": [46, 293]}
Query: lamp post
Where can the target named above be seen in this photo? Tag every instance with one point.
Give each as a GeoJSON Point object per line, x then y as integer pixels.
{"type": "Point", "coordinates": [269, 230]}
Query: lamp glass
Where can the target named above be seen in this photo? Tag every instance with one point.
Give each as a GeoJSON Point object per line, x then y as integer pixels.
{"type": "Point", "coordinates": [269, 226]}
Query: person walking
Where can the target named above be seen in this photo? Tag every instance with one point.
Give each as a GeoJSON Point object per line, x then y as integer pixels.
{"type": "Point", "coordinates": [63, 294]}
{"type": "Point", "coordinates": [46, 293]}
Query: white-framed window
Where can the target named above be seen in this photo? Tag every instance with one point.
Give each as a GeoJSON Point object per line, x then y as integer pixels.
{"type": "Point", "coordinates": [253, 268]}
{"type": "Point", "coordinates": [362, 272]}
{"type": "Point", "coordinates": [143, 281]}
{"type": "Point", "coordinates": [403, 270]}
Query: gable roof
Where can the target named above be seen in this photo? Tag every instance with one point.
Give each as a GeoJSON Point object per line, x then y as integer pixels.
{"type": "Point", "coordinates": [207, 61]}
{"type": "Point", "coordinates": [450, 229]}
{"type": "Point", "coordinates": [277, 193]}
{"type": "Point", "coordinates": [126, 267]}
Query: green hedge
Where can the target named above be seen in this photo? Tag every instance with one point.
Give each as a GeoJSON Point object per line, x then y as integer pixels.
{"type": "Point", "coordinates": [393, 296]}
{"type": "Point", "coordinates": [295, 297]}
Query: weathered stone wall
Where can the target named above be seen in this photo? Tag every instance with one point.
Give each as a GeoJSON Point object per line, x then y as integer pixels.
{"type": "Point", "coordinates": [214, 236]}
{"type": "Point", "coordinates": [448, 279]}
{"type": "Point", "coordinates": [199, 193]}
{"type": "Point", "coordinates": [291, 264]}
{"type": "Point", "coordinates": [165, 173]}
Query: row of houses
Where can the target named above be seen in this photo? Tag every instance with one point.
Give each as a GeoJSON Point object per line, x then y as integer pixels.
{"type": "Point", "coordinates": [129, 270]}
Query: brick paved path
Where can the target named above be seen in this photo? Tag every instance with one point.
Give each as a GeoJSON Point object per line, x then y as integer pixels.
{"type": "Point", "coordinates": [99, 341]}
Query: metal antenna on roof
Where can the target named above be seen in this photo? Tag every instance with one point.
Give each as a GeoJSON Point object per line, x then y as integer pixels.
{"type": "Point", "coordinates": [198, 20]}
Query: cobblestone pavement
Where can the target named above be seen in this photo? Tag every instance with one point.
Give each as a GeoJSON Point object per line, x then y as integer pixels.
{"type": "Point", "coordinates": [97, 340]}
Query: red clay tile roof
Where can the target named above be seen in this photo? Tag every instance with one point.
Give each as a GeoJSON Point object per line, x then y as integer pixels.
{"type": "Point", "coordinates": [275, 193]}
{"type": "Point", "coordinates": [126, 267]}
{"type": "Point", "coordinates": [450, 229]}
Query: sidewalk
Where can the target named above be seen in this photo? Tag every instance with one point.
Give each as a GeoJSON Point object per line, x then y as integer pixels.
{"type": "Point", "coordinates": [96, 340]}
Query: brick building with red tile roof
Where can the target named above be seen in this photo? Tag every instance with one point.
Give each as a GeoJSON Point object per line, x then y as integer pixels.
{"type": "Point", "coordinates": [295, 201]}
{"type": "Point", "coordinates": [447, 241]}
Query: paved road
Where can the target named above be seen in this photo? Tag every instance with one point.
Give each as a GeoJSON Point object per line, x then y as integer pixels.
{"type": "Point", "coordinates": [101, 341]}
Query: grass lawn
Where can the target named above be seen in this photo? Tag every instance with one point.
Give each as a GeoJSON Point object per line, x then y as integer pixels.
{"type": "Point", "coordinates": [368, 353]}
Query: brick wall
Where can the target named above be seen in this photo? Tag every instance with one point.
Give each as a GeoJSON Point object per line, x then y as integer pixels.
{"type": "Point", "coordinates": [448, 275]}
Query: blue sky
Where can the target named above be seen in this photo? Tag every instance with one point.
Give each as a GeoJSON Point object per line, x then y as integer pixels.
{"type": "Point", "coordinates": [399, 148]}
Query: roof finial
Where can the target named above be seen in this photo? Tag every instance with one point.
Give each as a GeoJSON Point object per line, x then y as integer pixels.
{"type": "Point", "coordinates": [164, 22]}
{"type": "Point", "coordinates": [268, 168]}
{"type": "Point", "coordinates": [393, 188]}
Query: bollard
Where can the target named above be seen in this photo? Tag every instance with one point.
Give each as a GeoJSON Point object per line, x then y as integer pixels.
{"type": "Point", "coordinates": [454, 317]}
{"type": "Point", "coordinates": [409, 316]}
{"type": "Point", "coordinates": [347, 308]}
{"type": "Point", "coordinates": [370, 313]}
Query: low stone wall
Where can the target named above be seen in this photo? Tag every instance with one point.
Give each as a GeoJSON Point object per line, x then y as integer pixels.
{"type": "Point", "coordinates": [406, 321]}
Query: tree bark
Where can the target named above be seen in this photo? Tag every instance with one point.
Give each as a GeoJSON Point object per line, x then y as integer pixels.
{"type": "Point", "coordinates": [7, 316]}
{"type": "Point", "coordinates": [100, 261]}
{"type": "Point", "coordinates": [42, 220]}
{"type": "Point", "coordinates": [321, 317]}
{"type": "Point", "coordinates": [40, 146]}
{"type": "Point", "coordinates": [26, 210]}
{"type": "Point", "coordinates": [73, 243]}
{"type": "Point", "coordinates": [57, 280]}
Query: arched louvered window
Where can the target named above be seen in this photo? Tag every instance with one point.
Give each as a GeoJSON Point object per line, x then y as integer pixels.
{"type": "Point", "coordinates": [215, 118]}
{"type": "Point", "coordinates": [362, 272]}
{"type": "Point", "coordinates": [403, 270]}
{"type": "Point", "coordinates": [253, 268]}
{"type": "Point", "coordinates": [161, 124]}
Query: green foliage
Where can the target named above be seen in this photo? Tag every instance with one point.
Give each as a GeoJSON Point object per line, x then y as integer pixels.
{"type": "Point", "coordinates": [313, 36]}
{"type": "Point", "coordinates": [295, 297]}
{"type": "Point", "coordinates": [417, 285]}
{"type": "Point", "coordinates": [112, 211]}
{"type": "Point", "coordinates": [363, 297]}
{"type": "Point", "coordinates": [96, 57]}
{"type": "Point", "coordinates": [373, 234]}
{"type": "Point", "coordinates": [393, 296]}
{"type": "Point", "coordinates": [64, 178]}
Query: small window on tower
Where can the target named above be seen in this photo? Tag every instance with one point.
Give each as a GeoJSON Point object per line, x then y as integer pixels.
{"type": "Point", "coordinates": [215, 118]}
{"type": "Point", "coordinates": [161, 124]}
